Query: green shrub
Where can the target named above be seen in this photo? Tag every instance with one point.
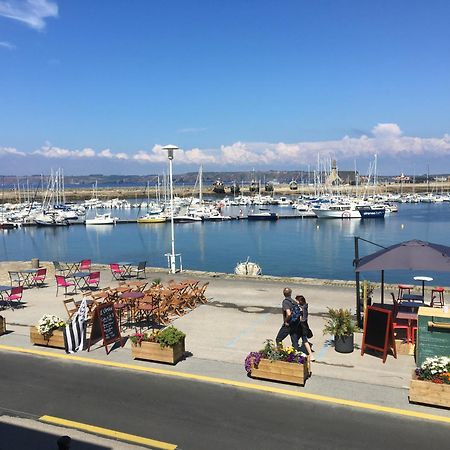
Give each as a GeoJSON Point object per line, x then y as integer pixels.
{"type": "Point", "coordinates": [340, 322]}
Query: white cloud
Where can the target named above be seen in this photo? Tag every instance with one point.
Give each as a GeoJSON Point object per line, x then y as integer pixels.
{"type": "Point", "coordinates": [155, 155]}
{"type": "Point", "coordinates": [7, 45]}
{"type": "Point", "coordinates": [158, 155]}
{"type": "Point", "coordinates": [386, 139]}
{"type": "Point", "coordinates": [49, 151]}
{"type": "Point", "coordinates": [10, 151]}
{"type": "Point", "coordinates": [107, 153]}
{"type": "Point", "coordinates": [386, 130]}
{"type": "Point", "coordinates": [31, 12]}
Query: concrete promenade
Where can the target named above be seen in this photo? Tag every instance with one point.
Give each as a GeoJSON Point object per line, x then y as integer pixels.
{"type": "Point", "coordinates": [240, 315]}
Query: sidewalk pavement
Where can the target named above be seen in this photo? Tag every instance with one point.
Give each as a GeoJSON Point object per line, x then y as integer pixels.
{"type": "Point", "coordinates": [240, 315]}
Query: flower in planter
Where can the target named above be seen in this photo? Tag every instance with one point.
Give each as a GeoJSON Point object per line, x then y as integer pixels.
{"type": "Point", "coordinates": [436, 370]}
{"type": "Point", "coordinates": [168, 337]}
{"type": "Point", "coordinates": [48, 323]}
{"type": "Point", "coordinates": [273, 352]}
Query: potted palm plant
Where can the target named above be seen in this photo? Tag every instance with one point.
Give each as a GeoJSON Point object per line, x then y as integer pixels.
{"type": "Point", "coordinates": [341, 325]}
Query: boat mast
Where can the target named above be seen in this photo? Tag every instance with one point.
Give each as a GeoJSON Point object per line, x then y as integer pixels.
{"type": "Point", "coordinates": [200, 184]}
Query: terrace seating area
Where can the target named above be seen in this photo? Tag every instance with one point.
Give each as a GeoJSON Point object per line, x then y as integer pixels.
{"type": "Point", "coordinates": [142, 306]}
{"type": "Point", "coordinates": [139, 304]}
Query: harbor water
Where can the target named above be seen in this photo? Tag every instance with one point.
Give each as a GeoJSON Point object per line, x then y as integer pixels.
{"type": "Point", "coordinates": [296, 247]}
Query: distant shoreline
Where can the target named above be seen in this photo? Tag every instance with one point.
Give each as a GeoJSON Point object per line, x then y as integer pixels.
{"type": "Point", "coordinates": [139, 192]}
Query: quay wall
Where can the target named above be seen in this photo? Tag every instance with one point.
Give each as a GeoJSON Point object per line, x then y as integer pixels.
{"type": "Point", "coordinates": [153, 272]}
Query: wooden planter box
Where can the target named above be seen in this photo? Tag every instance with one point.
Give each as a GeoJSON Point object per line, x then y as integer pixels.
{"type": "Point", "coordinates": [429, 393]}
{"type": "Point", "coordinates": [55, 340]}
{"type": "Point", "coordinates": [281, 371]}
{"type": "Point", "coordinates": [152, 351]}
{"type": "Point", "coordinates": [2, 325]}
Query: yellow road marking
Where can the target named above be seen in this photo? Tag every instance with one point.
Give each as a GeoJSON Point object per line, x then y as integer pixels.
{"type": "Point", "coordinates": [107, 432]}
{"type": "Point", "coordinates": [254, 387]}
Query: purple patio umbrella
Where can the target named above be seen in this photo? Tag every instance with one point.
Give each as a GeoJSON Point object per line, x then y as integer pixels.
{"type": "Point", "coordinates": [409, 255]}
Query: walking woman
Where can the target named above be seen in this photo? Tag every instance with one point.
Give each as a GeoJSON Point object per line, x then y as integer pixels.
{"type": "Point", "coordinates": [303, 328]}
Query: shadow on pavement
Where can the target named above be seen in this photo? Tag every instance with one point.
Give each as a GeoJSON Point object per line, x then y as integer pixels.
{"type": "Point", "coordinates": [14, 437]}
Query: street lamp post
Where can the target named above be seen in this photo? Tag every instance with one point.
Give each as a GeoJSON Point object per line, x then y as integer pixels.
{"type": "Point", "coordinates": [170, 149]}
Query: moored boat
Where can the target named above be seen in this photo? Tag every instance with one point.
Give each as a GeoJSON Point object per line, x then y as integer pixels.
{"type": "Point", "coordinates": [369, 212]}
{"type": "Point", "coordinates": [263, 216]}
{"type": "Point", "coordinates": [152, 218]}
{"type": "Point", "coordinates": [102, 219]}
{"type": "Point", "coordinates": [50, 219]}
{"type": "Point", "coordinates": [187, 218]}
{"type": "Point", "coordinates": [247, 268]}
{"type": "Point", "coordinates": [337, 211]}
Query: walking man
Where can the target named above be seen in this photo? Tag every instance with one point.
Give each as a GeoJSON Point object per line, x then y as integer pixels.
{"type": "Point", "coordinates": [290, 323]}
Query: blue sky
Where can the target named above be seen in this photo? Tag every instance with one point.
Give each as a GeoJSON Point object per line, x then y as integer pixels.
{"type": "Point", "coordinates": [100, 86]}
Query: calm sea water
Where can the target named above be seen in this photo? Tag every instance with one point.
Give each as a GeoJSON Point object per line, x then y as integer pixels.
{"type": "Point", "coordinates": [295, 247]}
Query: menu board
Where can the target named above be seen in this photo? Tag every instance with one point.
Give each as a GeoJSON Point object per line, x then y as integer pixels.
{"type": "Point", "coordinates": [105, 325]}
{"type": "Point", "coordinates": [433, 334]}
{"type": "Point", "coordinates": [378, 331]}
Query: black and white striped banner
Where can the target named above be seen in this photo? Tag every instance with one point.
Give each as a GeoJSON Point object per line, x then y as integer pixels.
{"type": "Point", "coordinates": [75, 331]}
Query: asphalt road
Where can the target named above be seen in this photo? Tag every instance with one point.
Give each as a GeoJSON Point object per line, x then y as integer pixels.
{"type": "Point", "coordinates": [197, 415]}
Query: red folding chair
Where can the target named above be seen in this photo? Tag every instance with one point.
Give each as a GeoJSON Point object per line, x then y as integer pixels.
{"type": "Point", "coordinates": [61, 282]}
{"type": "Point", "coordinates": [14, 296]}
{"type": "Point", "coordinates": [117, 272]}
{"type": "Point", "coordinates": [94, 280]}
{"type": "Point", "coordinates": [85, 265]}
{"type": "Point", "coordinates": [39, 278]}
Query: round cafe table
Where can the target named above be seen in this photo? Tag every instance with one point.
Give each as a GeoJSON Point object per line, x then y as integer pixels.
{"type": "Point", "coordinates": [423, 279]}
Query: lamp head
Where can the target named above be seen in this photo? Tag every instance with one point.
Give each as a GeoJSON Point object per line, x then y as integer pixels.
{"type": "Point", "coordinates": [170, 149]}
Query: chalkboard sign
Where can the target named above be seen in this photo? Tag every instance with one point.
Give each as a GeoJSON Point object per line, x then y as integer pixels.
{"type": "Point", "coordinates": [433, 334]}
{"type": "Point", "coordinates": [105, 325]}
{"type": "Point", "coordinates": [378, 331]}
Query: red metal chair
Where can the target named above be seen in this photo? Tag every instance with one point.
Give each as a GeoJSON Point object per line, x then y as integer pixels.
{"type": "Point", "coordinates": [399, 324]}
{"type": "Point", "coordinates": [117, 272]}
{"type": "Point", "coordinates": [439, 298]}
{"type": "Point", "coordinates": [39, 278]}
{"type": "Point", "coordinates": [85, 265]}
{"type": "Point", "coordinates": [404, 287]}
{"type": "Point", "coordinates": [14, 296]}
{"type": "Point", "coordinates": [61, 282]}
{"type": "Point", "coordinates": [94, 280]}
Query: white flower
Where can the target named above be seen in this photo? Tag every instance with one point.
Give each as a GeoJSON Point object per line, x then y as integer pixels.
{"type": "Point", "coordinates": [48, 323]}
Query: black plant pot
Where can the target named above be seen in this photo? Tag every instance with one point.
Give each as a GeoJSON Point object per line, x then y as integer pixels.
{"type": "Point", "coordinates": [343, 344]}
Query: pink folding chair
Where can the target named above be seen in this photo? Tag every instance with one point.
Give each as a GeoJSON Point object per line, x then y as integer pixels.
{"type": "Point", "coordinates": [39, 278]}
{"type": "Point", "coordinates": [85, 265]}
{"type": "Point", "coordinates": [14, 296]}
{"type": "Point", "coordinates": [93, 280]}
{"type": "Point", "coordinates": [61, 282]}
{"type": "Point", "coordinates": [117, 272]}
